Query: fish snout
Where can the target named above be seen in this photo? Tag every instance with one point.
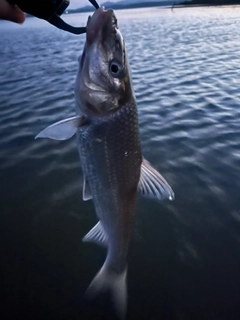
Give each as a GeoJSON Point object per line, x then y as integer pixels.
{"type": "Point", "coordinates": [101, 21]}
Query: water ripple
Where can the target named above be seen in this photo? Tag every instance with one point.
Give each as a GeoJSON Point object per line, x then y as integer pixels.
{"type": "Point", "coordinates": [185, 69]}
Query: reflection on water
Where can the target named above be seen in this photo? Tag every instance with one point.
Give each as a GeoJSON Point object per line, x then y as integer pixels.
{"type": "Point", "coordinates": [185, 255]}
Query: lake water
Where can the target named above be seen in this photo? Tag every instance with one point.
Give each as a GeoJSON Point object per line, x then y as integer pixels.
{"type": "Point", "coordinates": [184, 259]}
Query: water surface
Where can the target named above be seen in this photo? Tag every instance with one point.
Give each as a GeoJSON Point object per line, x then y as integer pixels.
{"type": "Point", "coordinates": [185, 255]}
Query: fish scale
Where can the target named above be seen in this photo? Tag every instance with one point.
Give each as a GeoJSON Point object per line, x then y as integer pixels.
{"type": "Point", "coordinates": [118, 186]}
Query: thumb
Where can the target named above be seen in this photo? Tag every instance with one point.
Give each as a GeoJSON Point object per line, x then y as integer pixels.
{"type": "Point", "coordinates": [11, 12]}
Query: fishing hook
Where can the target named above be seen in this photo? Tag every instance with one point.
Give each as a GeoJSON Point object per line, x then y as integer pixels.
{"type": "Point", "coordinates": [50, 10]}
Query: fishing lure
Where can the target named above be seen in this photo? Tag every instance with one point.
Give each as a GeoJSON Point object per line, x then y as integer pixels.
{"type": "Point", "coordinates": [50, 10]}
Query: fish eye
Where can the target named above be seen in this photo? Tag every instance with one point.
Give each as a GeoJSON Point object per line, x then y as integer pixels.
{"type": "Point", "coordinates": [115, 69]}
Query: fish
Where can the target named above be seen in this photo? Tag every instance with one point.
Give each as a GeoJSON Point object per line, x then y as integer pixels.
{"type": "Point", "coordinates": [107, 134]}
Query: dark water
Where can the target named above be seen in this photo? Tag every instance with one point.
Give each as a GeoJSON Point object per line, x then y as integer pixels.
{"type": "Point", "coordinates": [184, 259]}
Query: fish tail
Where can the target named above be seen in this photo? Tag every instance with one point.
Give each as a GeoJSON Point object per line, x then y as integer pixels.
{"type": "Point", "coordinates": [115, 284]}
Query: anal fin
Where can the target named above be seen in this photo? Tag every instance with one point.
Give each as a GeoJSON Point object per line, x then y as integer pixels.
{"type": "Point", "coordinates": [96, 234]}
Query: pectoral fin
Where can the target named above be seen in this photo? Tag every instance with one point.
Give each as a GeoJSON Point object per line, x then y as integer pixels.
{"type": "Point", "coordinates": [96, 234]}
{"type": "Point", "coordinates": [62, 130]}
{"type": "Point", "coordinates": [87, 195]}
{"type": "Point", "coordinates": [152, 184]}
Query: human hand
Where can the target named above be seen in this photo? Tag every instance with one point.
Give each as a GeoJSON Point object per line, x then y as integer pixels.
{"type": "Point", "coordinates": [11, 12]}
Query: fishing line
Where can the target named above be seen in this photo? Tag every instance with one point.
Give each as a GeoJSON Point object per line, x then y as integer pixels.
{"type": "Point", "coordinates": [94, 3]}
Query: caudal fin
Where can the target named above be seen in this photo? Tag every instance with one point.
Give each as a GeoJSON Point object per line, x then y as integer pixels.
{"type": "Point", "coordinates": [113, 283]}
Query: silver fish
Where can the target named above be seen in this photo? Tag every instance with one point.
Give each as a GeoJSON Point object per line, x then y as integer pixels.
{"type": "Point", "coordinates": [110, 151]}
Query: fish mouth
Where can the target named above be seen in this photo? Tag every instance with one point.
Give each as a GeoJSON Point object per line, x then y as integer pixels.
{"type": "Point", "coordinates": [100, 23]}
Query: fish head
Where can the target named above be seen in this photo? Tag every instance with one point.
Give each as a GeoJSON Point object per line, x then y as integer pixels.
{"type": "Point", "coordinates": [103, 83]}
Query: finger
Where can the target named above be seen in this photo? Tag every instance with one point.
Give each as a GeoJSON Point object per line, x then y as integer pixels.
{"type": "Point", "coordinates": [11, 12]}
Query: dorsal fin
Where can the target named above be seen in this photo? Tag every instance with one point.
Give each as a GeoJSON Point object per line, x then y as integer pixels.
{"type": "Point", "coordinates": [152, 184]}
